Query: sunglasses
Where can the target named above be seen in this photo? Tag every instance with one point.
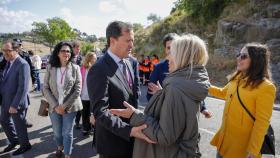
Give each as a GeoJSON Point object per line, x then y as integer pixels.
{"type": "Point", "coordinates": [64, 51]}
{"type": "Point", "coordinates": [242, 56]}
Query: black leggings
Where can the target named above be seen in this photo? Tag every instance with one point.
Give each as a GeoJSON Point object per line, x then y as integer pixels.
{"type": "Point", "coordinates": [86, 115]}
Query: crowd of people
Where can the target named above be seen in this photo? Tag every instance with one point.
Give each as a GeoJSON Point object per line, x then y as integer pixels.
{"type": "Point", "coordinates": [105, 94]}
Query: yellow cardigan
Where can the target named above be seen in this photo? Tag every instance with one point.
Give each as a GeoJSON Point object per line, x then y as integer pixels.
{"type": "Point", "coordinates": [239, 134]}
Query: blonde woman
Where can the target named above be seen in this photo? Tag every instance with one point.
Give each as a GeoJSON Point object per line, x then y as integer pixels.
{"type": "Point", "coordinates": [239, 135]}
{"type": "Point", "coordinates": [89, 60]}
{"type": "Point", "coordinates": [171, 117]}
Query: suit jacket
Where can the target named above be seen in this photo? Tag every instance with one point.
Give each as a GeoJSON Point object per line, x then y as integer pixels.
{"type": "Point", "coordinates": [108, 89]}
{"type": "Point", "coordinates": [14, 86]}
{"type": "Point", "coordinates": [72, 88]}
{"type": "Point", "coordinates": [79, 60]}
{"type": "Point", "coordinates": [158, 74]}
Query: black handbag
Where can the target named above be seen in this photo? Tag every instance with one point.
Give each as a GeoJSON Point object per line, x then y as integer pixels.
{"type": "Point", "coordinates": [268, 146]}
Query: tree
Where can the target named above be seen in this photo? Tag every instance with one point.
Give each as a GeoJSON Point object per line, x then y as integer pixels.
{"type": "Point", "coordinates": [137, 27]}
{"type": "Point", "coordinates": [154, 18]}
{"type": "Point", "coordinates": [54, 31]}
{"type": "Point", "coordinates": [86, 47]}
{"type": "Point", "coordinates": [91, 38]}
{"type": "Point", "coordinates": [206, 9]}
{"type": "Point", "coordinates": [102, 39]}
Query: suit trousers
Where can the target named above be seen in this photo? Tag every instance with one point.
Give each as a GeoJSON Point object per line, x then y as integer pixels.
{"type": "Point", "coordinates": [14, 126]}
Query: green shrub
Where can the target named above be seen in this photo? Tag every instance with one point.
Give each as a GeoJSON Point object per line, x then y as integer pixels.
{"type": "Point", "coordinates": [203, 10]}
{"type": "Point", "coordinates": [86, 47]}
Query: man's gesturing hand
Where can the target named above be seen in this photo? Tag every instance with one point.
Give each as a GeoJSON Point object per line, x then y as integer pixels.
{"type": "Point", "coordinates": [137, 133]}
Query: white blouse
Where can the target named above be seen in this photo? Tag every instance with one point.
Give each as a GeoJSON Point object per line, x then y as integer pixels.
{"type": "Point", "coordinates": [60, 73]}
{"type": "Point", "coordinates": [84, 94]}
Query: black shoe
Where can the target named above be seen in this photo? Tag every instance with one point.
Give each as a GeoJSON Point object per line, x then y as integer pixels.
{"type": "Point", "coordinates": [85, 133]}
{"type": "Point", "coordinates": [10, 147]}
{"type": "Point", "coordinates": [59, 154]}
{"type": "Point", "coordinates": [22, 150]}
{"type": "Point", "coordinates": [77, 126]}
{"type": "Point", "coordinates": [28, 125]}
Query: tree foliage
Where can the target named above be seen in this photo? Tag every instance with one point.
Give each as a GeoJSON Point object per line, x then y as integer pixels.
{"type": "Point", "coordinates": [137, 27]}
{"type": "Point", "coordinates": [154, 18]}
{"type": "Point", "coordinates": [55, 30]}
{"type": "Point", "coordinates": [86, 47]}
{"type": "Point", "coordinates": [207, 10]}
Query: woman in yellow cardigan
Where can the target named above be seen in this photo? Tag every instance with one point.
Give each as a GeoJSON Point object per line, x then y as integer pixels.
{"type": "Point", "coordinates": [239, 135]}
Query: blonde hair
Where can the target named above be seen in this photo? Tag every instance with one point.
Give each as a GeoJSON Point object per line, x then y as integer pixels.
{"type": "Point", "coordinates": [189, 50]}
{"type": "Point", "coordinates": [87, 61]}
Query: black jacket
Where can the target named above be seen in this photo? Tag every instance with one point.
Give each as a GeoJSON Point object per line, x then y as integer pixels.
{"type": "Point", "coordinates": [26, 57]}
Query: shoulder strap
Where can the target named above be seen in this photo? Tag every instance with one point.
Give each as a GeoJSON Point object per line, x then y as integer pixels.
{"type": "Point", "coordinates": [243, 104]}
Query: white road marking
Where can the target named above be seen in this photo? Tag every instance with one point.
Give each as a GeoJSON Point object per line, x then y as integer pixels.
{"type": "Point", "coordinates": [207, 131]}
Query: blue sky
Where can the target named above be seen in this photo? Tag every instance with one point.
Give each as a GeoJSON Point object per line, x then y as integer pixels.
{"type": "Point", "coordinates": [90, 16]}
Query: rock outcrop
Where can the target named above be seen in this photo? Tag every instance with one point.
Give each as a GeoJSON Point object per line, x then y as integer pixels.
{"type": "Point", "coordinates": [262, 26]}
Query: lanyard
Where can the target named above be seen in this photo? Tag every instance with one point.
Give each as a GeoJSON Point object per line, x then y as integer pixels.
{"type": "Point", "coordinates": [62, 75]}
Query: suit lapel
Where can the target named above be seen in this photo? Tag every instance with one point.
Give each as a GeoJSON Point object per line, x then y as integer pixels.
{"type": "Point", "coordinates": [117, 71]}
{"type": "Point", "coordinates": [53, 73]}
{"type": "Point", "coordinates": [67, 76]}
{"type": "Point", "coordinates": [11, 69]}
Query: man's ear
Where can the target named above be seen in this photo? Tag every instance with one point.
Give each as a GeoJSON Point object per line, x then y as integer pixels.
{"type": "Point", "coordinates": [113, 41]}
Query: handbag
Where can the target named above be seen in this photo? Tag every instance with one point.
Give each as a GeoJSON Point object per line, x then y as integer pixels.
{"type": "Point", "coordinates": [268, 146]}
{"type": "Point", "coordinates": [44, 106]}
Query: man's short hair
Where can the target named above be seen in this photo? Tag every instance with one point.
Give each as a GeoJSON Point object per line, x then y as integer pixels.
{"type": "Point", "coordinates": [15, 44]}
{"type": "Point", "coordinates": [76, 43]}
{"type": "Point", "coordinates": [169, 37]}
{"type": "Point", "coordinates": [115, 28]}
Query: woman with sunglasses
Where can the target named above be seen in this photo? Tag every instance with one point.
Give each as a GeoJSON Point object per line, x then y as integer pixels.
{"type": "Point", "coordinates": [239, 135]}
{"type": "Point", "coordinates": [62, 88]}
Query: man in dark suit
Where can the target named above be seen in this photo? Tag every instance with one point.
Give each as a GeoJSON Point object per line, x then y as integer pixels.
{"type": "Point", "coordinates": [14, 89]}
{"type": "Point", "coordinates": [77, 59]}
{"type": "Point", "coordinates": [111, 82]}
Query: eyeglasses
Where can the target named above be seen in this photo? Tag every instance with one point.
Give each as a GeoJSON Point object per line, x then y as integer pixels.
{"type": "Point", "coordinates": [64, 51]}
{"type": "Point", "coordinates": [7, 50]}
{"type": "Point", "coordinates": [242, 56]}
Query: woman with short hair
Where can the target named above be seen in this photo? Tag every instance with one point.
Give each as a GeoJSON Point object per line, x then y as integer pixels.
{"type": "Point", "coordinates": [62, 89]}
{"type": "Point", "coordinates": [239, 135]}
{"type": "Point", "coordinates": [171, 116]}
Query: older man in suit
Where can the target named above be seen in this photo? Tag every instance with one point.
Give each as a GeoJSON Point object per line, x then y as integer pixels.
{"type": "Point", "coordinates": [77, 59]}
{"type": "Point", "coordinates": [14, 89]}
{"type": "Point", "coordinates": [111, 82]}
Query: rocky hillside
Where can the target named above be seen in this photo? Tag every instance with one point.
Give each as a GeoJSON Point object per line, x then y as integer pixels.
{"type": "Point", "coordinates": [239, 23]}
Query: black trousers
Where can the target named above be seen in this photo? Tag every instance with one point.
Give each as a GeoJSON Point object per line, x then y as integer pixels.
{"type": "Point", "coordinates": [86, 115]}
{"type": "Point", "coordinates": [78, 117]}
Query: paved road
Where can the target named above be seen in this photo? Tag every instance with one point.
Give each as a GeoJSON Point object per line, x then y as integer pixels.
{"type": "Point", "coordinates": [43, 145]}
